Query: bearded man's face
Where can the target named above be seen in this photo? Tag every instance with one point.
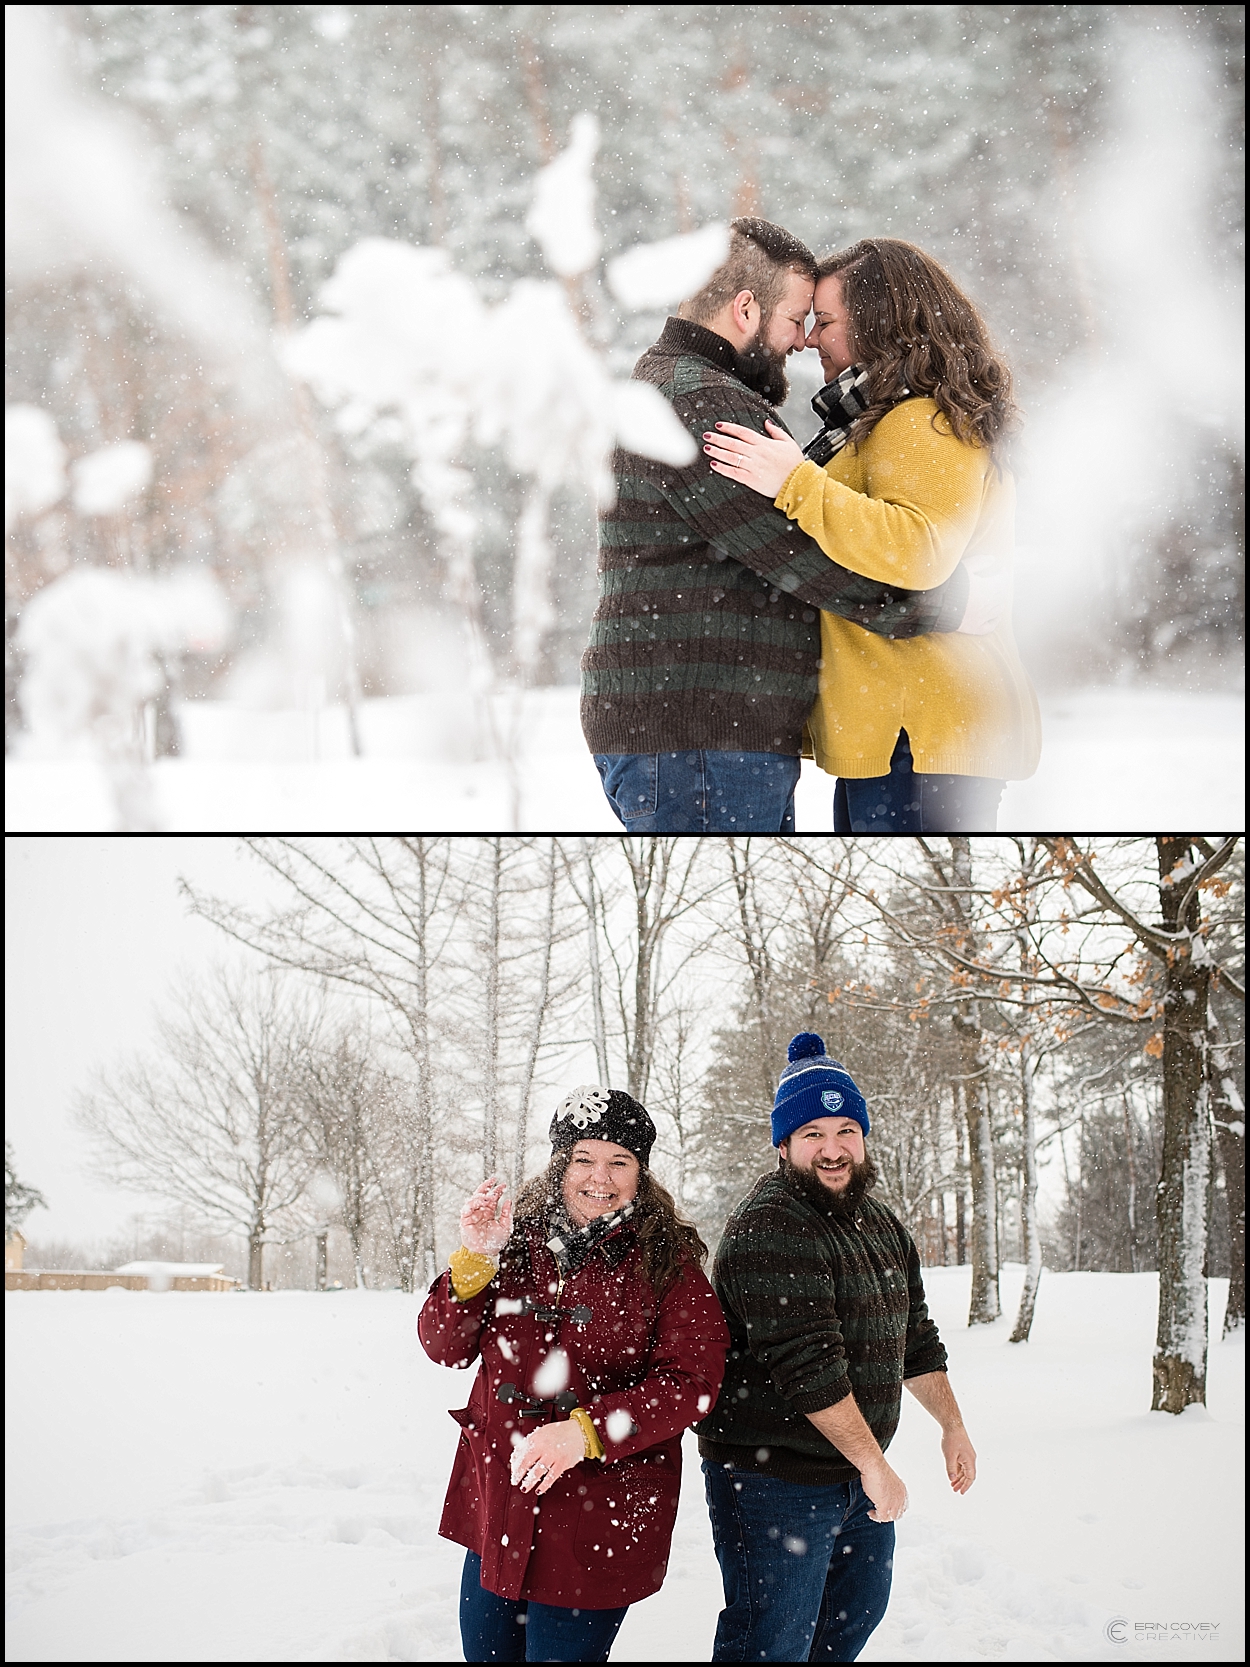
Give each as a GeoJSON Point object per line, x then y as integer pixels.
{"type": "Point", "coordinates": [829, 1148]}
{"type": "Point", "coordinates": [762, 362]}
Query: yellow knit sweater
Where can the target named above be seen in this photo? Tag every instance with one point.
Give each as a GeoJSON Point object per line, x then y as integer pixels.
{"type": "Point", "coordinates": [905, 506]}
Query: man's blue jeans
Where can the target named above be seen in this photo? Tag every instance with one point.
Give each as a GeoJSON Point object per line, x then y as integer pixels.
{"type": "Point", "coordinates": [700, 792]}
{"type": "Point", "coordinates": [806, 1574]}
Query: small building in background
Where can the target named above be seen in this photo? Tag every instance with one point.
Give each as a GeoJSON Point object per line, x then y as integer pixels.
{"type": "Point", "coordinates": [14, 1248]}
{"type": "Point", "coordinates": [181, 1276]}
{"type": "Point", "coordinates": [132, 1276]}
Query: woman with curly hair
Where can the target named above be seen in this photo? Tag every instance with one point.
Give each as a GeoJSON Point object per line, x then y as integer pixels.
{"type": "Point", "coordinates": [600, 1341]}
{"type": "Point", "coordinates": [907, 478]}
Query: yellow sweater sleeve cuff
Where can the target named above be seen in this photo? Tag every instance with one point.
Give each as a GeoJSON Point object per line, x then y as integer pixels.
{"type": "Point", "coordinates": [471, 1272]}
{"type": "Point", "coordinates": [594, 1447]}
{"type": "Point", "coordinates": [796, 484]}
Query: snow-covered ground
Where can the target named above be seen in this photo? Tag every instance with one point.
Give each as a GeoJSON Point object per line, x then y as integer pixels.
{"type": "Point", "coordinates": [1114, 761]}
{"type": "Point", "coordinates": [258, 1478]}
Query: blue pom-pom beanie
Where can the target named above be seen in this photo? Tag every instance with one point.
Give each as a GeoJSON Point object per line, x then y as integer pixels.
{"type": "Point", "coordinates": [813, 1085]}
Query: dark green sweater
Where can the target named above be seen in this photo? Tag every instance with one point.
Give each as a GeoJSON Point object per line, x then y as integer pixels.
{"type": "Point", "coordinates": [817, 1307]}
{"type": "Point", "coordinates": [707, 632]}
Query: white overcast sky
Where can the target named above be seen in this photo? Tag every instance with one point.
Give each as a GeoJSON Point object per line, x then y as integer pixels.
{"type": "Point", "coordinates": [95, 933]}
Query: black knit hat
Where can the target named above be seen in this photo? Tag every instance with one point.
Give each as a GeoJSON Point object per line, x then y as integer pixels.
{"type": "Point", "coordinates": [593, 1113]}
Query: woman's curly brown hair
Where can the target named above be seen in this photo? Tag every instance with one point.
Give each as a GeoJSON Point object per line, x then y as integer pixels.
{"type": "Point", "coordinates": [666, 1241]}
{"type": "Point", "coordinates": [914, 331]}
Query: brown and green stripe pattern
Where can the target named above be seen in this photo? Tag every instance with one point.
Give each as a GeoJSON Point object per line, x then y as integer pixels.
{"type": "Point", "coordinates": [818, 1307]}
{"type": "Point", "coordinates": [707, 632]}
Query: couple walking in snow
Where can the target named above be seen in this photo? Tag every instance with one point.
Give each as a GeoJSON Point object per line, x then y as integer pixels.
{"type": "Point", "coordinates": [601, 1341]}
{"type": "Point", "coordinates": [850, 601]}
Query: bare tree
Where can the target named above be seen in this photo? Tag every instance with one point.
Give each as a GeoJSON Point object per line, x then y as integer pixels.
{"type": "Point", "coordinates": [212, 1121]}
{"type": "Point", "coordinates": [542, 1002]}
{"type": "Point", "coordinates": [372, 916]}
{"type": "Point", "coordinates": [340, 1104]}
{"type": "Point", "coordinates": [1228, 1115]}
{"type": "Point", "coordinates": [677, 1102]}
{"type": "Point", "coordinates": [667, 883]}
{"type": "Point", "coordinates": [1179, 946]}
{"type": "Point", "coordinates": [579, 871]}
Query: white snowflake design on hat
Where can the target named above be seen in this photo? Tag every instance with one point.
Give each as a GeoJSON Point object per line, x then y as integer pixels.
{"type": "Point", "coordinates": [585, 1105]}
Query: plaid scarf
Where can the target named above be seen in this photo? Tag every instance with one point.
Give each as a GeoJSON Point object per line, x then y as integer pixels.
{"type": "Point", "coordinates": [838, 404]}
{"type": "Point", "coordinates": [572, 1245]}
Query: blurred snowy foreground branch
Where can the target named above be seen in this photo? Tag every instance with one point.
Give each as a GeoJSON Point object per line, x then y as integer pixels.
{"type": "Point", "coordinates": [403, 339]}
{"type": "Point", "coordinates": [404, 335]}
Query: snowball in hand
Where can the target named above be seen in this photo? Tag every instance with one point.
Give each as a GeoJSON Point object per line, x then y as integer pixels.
{"type": "Point", "coordinates": [552, 1377]}
{"type": "Point", "coordinates": [562, 215]}
{"type": "Point", "coordinates": [661, 274]}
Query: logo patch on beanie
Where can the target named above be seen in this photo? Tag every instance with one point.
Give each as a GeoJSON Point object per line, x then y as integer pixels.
{"type": "Point", "coordinates": [583, 1106]}
{"type": "Point", "coordinates": [831, 1099]}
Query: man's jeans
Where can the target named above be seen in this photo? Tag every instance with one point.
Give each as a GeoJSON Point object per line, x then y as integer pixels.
{"type": "Point", "coordinates": [700, 792]}
{"type": "Point", "coordinates": [806, 1574]}
{"type": "Point", "coordinates": [904, 802]}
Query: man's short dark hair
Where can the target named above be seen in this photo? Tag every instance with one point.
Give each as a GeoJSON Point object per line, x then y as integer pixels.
{"type": "Point", "coordinates": [760, 256]}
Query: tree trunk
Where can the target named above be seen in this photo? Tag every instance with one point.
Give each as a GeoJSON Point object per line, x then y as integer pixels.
{"type": "Point", "coordinates": [974, 1074]}
{"type": "Point", "coordinates": [640, 1041]}
{"type": "Point", "coordinates": [417, 1249]}
{"type": "Point", "coordinates": [424, 1243]}
{"type": "Point", "coordinates": [1130, 1142]}
{"type": "Point", "coordinates": [531, 1061]}
{"type": "Point", "coordinates": [255, 1259]}
{"type": "Point", "coordinates": [490, 1086]}
{"type": "Point", "coordinates": [961, 1180]}
{"type": "Point", "coordinates": [1180, 1361]}
{"type": "Point", "coordinates": [649, 870]}
{"type": "Point", "coordinates": [596, 974]}
{"type": "Point", "coordinates": [984, 1307]}
{"type": "Point", "coordinates": [1028, 1203]}
{"type": "Point", "coordinates": [1229, 1117]}
{"type": "Point", "coordinates": [323, 1261]}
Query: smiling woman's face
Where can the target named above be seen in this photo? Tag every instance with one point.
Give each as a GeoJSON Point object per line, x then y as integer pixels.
{"type": "Point", "coordinates": [601, 1177]}
{"type": "Point", "coordinates": [830, 330]}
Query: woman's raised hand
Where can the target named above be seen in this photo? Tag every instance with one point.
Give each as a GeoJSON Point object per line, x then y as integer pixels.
{"type": "Point", "coordinates": [764, 463]}
{"type": "Point", "coordinates": [486, 1220]}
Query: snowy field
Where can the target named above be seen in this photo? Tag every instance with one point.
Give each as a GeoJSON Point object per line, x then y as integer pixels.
{"type": "Point", "coordinates": [258, 1478]}
{"type": "Point", "coordinates": [1114, 761]}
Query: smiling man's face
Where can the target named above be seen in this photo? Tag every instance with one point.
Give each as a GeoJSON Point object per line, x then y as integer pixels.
{"type": "Point", "coordinates": [831, 1148]}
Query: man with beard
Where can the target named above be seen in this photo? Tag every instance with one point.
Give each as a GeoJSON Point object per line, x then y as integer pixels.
{"type": "Point", "coordinates": [821, 1287]}
{"type": "Point", "coordinates": [705, 645]}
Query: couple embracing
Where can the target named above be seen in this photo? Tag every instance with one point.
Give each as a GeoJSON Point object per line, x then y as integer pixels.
{"type": "Point", "coordinates": [850, 600]}
{"type": "Point", "coordinates": [601, 1341]}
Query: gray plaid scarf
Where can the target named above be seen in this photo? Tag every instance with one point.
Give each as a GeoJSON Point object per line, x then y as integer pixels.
{"type": "Point", "coordinates": [572, 1245]}
{"type": "Point", "coordinates": [838, 404]}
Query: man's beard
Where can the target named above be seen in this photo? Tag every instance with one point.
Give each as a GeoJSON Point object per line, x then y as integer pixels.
{"type": "Point", "coordinates": [763, 370]}
{"type": "Point", "coordinates": [842, 1203]}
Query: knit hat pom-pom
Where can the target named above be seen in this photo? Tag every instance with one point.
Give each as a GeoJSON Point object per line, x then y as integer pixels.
{"type": "Point", "coordinates": [806, 1045]}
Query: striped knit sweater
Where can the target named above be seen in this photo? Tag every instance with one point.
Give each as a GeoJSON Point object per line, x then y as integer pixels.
{"type": "Point", "coordinates": [817, 1307]}
{"type": "Point", "coordinates": [707, 632]}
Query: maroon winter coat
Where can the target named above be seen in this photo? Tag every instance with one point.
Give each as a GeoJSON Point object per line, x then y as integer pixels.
{"type": "Point", "coordinates": [599, 1539]}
